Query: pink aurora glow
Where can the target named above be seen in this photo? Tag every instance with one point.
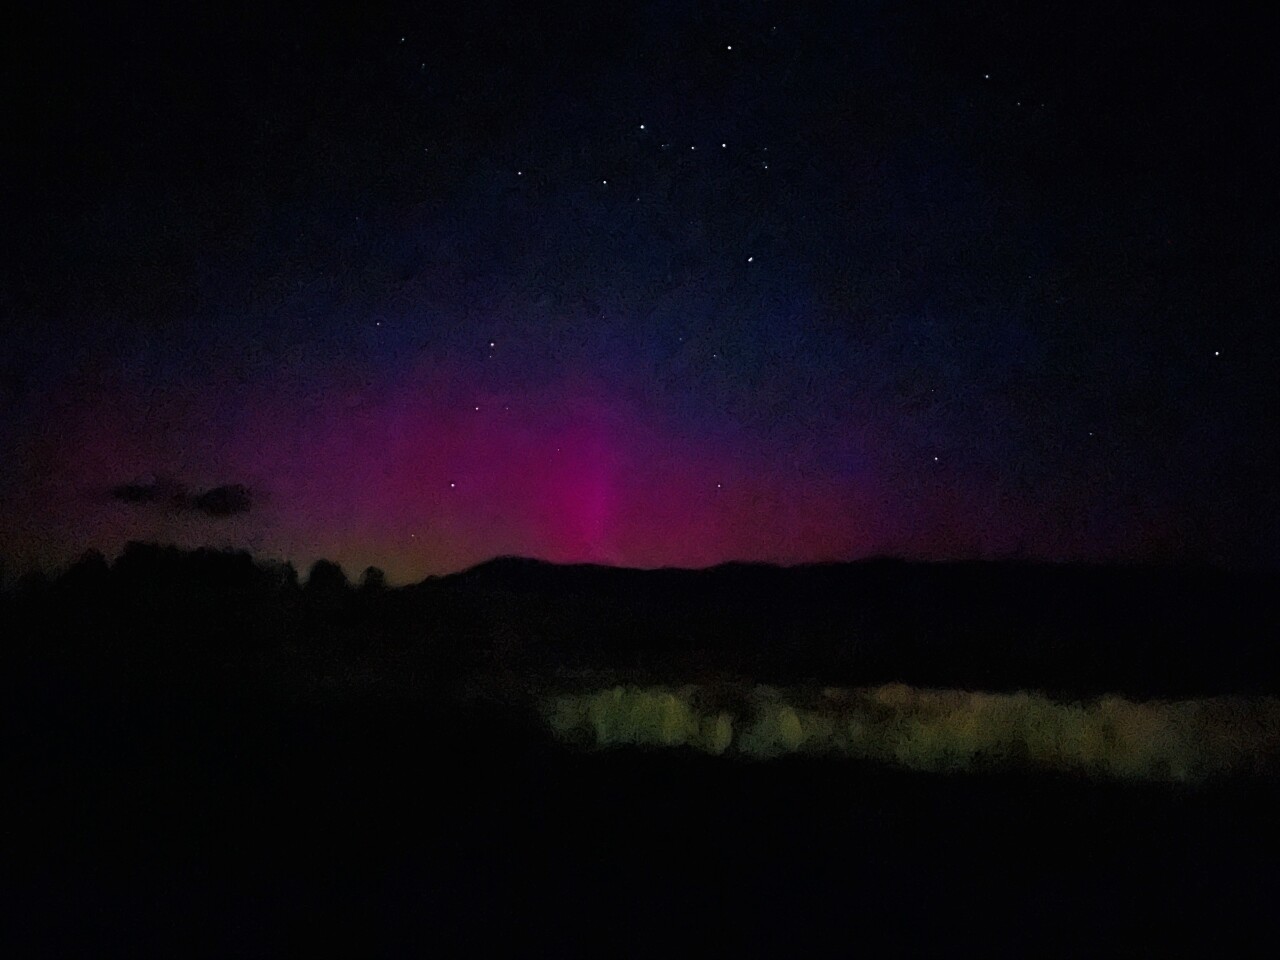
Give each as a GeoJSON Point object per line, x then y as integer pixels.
{"type": "Point", "coordinates": [414, 478]}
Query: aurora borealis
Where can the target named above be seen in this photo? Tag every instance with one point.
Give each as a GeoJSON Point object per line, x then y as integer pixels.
{"type": "Point", "coordinates": [657, 284]}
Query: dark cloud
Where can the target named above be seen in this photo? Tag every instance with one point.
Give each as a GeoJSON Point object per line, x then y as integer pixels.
{"type": "Point", "coordinates": [223, 501]}
{"type": "Point", "coordinates": [151, 491]}
{"type": "Point", "coordinates": [134, 493]}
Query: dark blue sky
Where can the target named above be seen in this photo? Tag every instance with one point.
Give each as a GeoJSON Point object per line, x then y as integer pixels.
{"type": "Point", "coordinates": [782, 281]}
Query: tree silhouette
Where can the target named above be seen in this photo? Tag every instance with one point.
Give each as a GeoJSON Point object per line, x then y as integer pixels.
{"type": "Point", "coordinates": [374, 580]}
{"type": "Point", "coordinates": [327, 590]}
{"type": "Point", "coordinates": [326, 579]}
{"type": "Point", "coordinates": [89, 572]}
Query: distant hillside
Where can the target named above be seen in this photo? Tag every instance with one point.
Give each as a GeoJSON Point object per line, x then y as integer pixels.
{"type": "Point", "coordinates": [1061, 628]}
{"type": "Point", "coordinates": [1146, 630]}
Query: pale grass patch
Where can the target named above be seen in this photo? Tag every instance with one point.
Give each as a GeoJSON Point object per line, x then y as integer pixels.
{"type": "Point", "coordinates": [936, 730]}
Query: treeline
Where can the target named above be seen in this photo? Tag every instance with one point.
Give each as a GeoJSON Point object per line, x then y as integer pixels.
{"type": "Point", "coordinates": [1070, 629]}
{"type": "Point", "coordinates": [197, 611]}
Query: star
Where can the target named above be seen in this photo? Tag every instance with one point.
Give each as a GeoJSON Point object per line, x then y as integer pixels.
{"type": "Point", "coordinates": [642, 126]}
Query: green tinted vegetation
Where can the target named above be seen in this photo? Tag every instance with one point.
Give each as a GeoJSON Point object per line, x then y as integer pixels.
{"type": "Point", "coordinates": [935, 730]}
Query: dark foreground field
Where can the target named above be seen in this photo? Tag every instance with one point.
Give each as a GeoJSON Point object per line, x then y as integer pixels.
{"type": "Point", "coordinates": [177, 823]}
{"type": "Point", "coordinates": [202, 756]}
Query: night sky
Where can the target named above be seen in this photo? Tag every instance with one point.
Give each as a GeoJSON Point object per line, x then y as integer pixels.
{"type": "Point", "coordinates": [645, 284]}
